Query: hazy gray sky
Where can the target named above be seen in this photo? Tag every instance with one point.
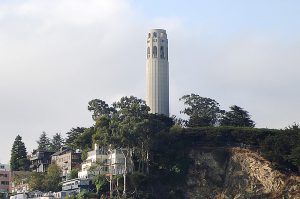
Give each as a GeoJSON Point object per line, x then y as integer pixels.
{"type": "Point", "coordinates": [56, 55]}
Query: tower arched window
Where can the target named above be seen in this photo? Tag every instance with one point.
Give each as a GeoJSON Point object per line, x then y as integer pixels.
{"type": "Point", "coordinates": [162, 52]}
{"type": "Point", "coordinates": [154, 52]}
{"type": "Point", "coordinates": [148, 52]}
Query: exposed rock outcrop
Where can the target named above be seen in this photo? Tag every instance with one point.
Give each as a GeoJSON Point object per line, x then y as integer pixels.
{"type": "Point", "coordinates": [235, 173]}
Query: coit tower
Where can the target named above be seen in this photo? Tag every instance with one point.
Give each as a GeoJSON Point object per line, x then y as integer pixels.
{"type": "Point", "coordinates": [157, 72]}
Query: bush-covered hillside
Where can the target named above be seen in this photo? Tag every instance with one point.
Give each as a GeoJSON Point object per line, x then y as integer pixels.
{"type": "Point", "coordinates": [170, 151]}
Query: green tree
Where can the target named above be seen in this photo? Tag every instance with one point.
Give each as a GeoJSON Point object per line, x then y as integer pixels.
{"type": "Point", "coordinates": [103, 131]}
{"type": "Point", "coordinates": [56, 142]}
{"type": "Point", "coordinates": [83, 195]}
{"type": "Point", "coordinates": [85, 140]}
{"type": "Point", "coordinates": [72, 136]}
{"type": "Point", "coordinates": [146, 131]}
{"type": "Point", "coordinates": [74, 173]}
{"type": "Point", "coordinates": [118, 128]}
{"type": "Point", "coordinates": [100, 108]}
{"type": "Point", "coordinates": [178, 121]}
{"type": "Point", "coordinates": [138, 180]}
{"type": "Point", "coordinates": [36, 181]}
{"type": "Point", "coordinates": [294, 127]}
{"type": "Point", "coordinates": [52, 178]}
{"type": "Point", "coordinates": [202, 111]}
{"type": "Point", "coordinates": [43, 142]}
{"type": "Point", "coordinates": [18, 160]}
{"type": "Point", "coordinates": [237, 116]}
{"type": "Point", "coordinates": [132, 130]}
{"type": "Point", "coordinates": [100, 182]}
{"type": "Point", "coordinates": [294, 157]}
{"type": "Point", "coordinates": [129, 112]}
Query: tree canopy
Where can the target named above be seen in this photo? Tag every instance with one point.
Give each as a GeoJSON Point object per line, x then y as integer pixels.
{"type": "Point", "coordinates": [100, 183]}
{"type": "Point", "coordinates": [237, 116]}
{"type": "Point", "coordinates": [44, 142]}
{"type": "Point", "coordinates": [18, 160]}
{"type": "Point", "coordinates": [100, 108]}
{"type": "Point", "coordinates": [56, 142]}
{"type": "Point", "coordinates": [49, 181]}
{"type": "Point", "coordinates": [53, 178]}
{"type": "Point", "coordinates": [72, 136]}
{"type": "Point", "coordinates": [202, 111]}
{"type": "Point", "coordinates": [36, 181]}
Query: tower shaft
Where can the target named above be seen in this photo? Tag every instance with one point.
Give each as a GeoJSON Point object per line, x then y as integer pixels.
{"type": "Point", "coordinates": [157, 72]}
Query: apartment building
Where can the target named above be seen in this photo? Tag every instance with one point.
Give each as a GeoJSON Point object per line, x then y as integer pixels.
{"type": "Point", "coordinates": [40, 160]}
{"type": "Point", "coordinates": [4, 179]}
{"type": "Point", "coordinates": [67, 160]}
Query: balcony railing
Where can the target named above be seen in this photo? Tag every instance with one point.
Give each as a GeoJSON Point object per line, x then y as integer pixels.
{"type": "Point", "coordinates": [98, 152]}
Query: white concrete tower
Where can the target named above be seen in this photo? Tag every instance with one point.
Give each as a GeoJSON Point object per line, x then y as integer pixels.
{"type": "Point", "coordinates": [157, 72]}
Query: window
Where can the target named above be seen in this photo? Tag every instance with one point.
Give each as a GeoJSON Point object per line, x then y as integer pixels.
{"type": "Point", "coordinates": [154, 34]}
{"type": "Point", "coordinates": [162, 53]}
{"type": "Point", "coordinates": [148, 52]}
{"type": "Point", "coordinates": [149, 35]}
{"type": "Point", "coordinates": [4, 183]}
{"type": "Point", "coordinates": [154, 52]}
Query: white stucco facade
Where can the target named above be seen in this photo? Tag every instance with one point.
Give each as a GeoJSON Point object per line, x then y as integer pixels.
{"type": "Point", "coordinates": [98, 157]}
{"type": "Point", "coordinates": [157, 72]}
{"type": "Point", "coordinates": [105, 161]}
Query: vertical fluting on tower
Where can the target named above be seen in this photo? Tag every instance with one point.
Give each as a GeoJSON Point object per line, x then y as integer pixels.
{"type": "Point", "coordinates": [157, 72]}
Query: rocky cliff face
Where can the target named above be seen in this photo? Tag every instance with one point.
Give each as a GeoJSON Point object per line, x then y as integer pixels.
{"type": "Point", "coordinates": [236, 173]}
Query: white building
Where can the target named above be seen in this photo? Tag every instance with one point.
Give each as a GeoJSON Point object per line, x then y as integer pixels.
{"type": "Point", "coordinates": [105, 161]}
{"type": "Point", "coordinates": [73, 187]}
{"type": "Point", "coordinates": [96, 163]}
{"type": "Point", "coordinates": [157, 72]}
{"type": "Point", "coordinates": [116, 161]}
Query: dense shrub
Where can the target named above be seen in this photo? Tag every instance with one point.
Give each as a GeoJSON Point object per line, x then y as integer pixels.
{"type": "Point", "coordinates": [281, 147]}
